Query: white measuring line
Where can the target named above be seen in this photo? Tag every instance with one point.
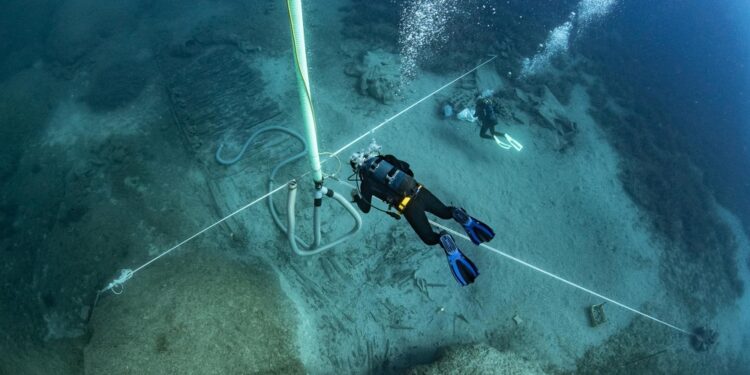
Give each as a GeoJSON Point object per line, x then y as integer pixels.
{"type": "Point", "coordinates": [342, 149]}
{"type": "Point", "coordinates": [550, 274]}
{"type": "Point", "coordinates": [558, 278]}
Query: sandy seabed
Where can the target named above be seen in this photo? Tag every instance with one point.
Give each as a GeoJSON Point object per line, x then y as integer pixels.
{"type": "Point", "coordinates": [383, 301]}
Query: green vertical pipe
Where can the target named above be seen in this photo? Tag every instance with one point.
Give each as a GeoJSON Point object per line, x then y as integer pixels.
{"type": "Point", "coordinates": [303, 85]}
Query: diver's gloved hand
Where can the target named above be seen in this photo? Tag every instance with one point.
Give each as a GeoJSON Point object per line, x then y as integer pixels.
{"type": "Point", "coordinates": [355, 195]}
{"type": "Point", "coordinates": [463, 268]}
{"type": "Point", "coordinates": [477, 231]}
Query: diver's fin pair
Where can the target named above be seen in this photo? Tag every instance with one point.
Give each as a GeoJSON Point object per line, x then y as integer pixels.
{"type": "Point", "coordinates": [463, 268]}
{"type": "Point", "coordinates": [508, 143]}
{"type": "Point", "coordinates": [477, 231]}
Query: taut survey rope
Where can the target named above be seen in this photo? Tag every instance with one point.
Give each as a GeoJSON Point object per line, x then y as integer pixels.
{"type": "Point", "coordinates": [552, 275]}
{"type": "Point", "coordinates": [558, 278]}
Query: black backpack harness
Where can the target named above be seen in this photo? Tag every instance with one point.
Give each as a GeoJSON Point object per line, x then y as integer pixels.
{"type": "Point", "coordinates": [390, 183]}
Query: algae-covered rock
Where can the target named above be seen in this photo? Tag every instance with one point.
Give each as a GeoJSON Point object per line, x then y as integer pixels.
{"type": "Point", "coordinates": [478, 359]}
{"type": "Point", "coordinates": [379, 75]}
{"type": "Point", "coordinates": [195, 314]}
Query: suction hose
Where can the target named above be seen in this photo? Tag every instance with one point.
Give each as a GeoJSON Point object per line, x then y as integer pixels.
{"type": "Point", "coordinates": [298, 245]}
{"type": "Point", "coordinates": [316, 248]}
{"type": "Point", "coordinates": [294, 8]}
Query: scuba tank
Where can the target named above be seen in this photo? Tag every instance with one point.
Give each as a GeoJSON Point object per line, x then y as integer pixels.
{"type": "Point", "coordinates": [390, 180]}
{"type": "Point", "coordinates": [398, 182]}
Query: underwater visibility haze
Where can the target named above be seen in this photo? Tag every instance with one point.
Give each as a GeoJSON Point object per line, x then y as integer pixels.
{"type": "Point", "coordinates": [374, 187]}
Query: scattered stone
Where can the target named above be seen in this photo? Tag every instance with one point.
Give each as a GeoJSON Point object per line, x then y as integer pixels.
{"type": "Point", "coordinates": [703, 339]}
{"type": "Point", "coordinates": [596, 315]}
{"type": "Point", "coordinates": [379, 75]}
{"type": "Point", "coordinates": [517, 319]}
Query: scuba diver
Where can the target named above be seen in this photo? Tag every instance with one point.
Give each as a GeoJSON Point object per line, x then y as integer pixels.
{"type": "Point", "coordinates": [485, 114]}
{"type": "Point", "coordinates": [392, 181]}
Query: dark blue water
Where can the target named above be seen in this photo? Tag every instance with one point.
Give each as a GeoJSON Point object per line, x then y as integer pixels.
{"type": "Point", "coordinates": [694, 57]}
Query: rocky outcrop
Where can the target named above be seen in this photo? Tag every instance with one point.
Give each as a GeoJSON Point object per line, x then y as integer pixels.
{"type": "Point", "coordinates": [478, 359]}
{"type": "Point", "coordinates": [378, 74]}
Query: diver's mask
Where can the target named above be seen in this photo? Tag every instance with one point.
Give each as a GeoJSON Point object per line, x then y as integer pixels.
{"type": "Point", "coordinates": [486, 94]}
{"type": "Point", "coordinates": [359, 158]}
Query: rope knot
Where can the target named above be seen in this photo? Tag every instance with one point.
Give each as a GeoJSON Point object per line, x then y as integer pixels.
{"type": "Point", "coordinates": [116, 286]}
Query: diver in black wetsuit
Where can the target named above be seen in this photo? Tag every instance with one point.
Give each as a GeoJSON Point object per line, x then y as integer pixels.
{"type": "Point", "coordinates": [487, 117]}
{"type": "Point", "coordinates": [392, 181]}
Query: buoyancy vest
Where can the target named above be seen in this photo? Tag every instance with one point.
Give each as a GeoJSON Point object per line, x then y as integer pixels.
{"type": "Point", "coordinates": [389, 179]}
{"type": "Point", "coordinates": [486, 112]}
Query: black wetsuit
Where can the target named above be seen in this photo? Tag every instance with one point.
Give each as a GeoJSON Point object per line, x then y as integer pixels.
{"type": "Point", "coordinates": [422, 200]}
{"type": "Point", "coordinates": [487, 118]}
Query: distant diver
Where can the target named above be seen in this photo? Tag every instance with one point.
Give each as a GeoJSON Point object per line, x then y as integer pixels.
{"type": "Point", "coordinates": [392, 181]}
{"type": "Point", "coordinates": [485, 113]}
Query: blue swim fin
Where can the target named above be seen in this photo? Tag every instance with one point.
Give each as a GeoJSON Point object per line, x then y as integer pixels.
{"type": "Point", "coordinates": [463, 268]}
{"type": "Point", "coordinates": [477, 231]}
